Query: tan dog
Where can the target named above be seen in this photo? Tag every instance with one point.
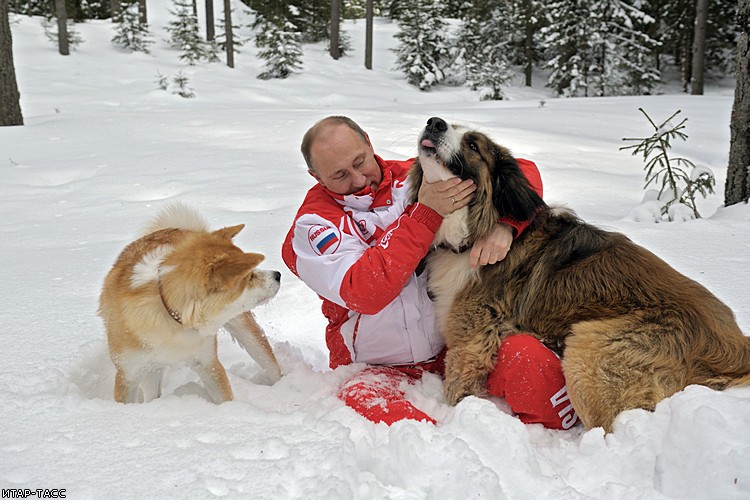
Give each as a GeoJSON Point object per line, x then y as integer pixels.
{"type": "Point", "coordinates": [168, 294]}
{"type": "Point", "coordinates": [631, 330]}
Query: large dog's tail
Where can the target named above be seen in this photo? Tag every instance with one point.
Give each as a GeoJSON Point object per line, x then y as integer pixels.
{"type": "Point", "coordinates": [732, 368]}
{"type": "Point", "coordinates": [743, 377]}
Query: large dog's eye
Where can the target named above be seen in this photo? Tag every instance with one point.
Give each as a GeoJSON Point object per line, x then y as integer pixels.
{"type": "Point", "coordinates": [473, 146]}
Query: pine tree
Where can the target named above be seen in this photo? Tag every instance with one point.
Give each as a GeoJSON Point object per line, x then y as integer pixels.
{"type": "Point", "coordinates": [51, 26]}
{"type": "Point", "coordinates": [94, 9]}
{"type": "Point", "coordinates": [673, 29]}
{"type": "Point", "coordinates": [185, 35]}
{"type": "Point", "coordinates": [485, 41]}
{"type": "Point", "coordinates": [345, 43]}
{"type": "Point", "coordinates": [422, 53]}
{"type": "Point", "coordinates": [722, 37]}
{"type": "Point", "coordinates": [524, 24]}
{"type": "Point", "coordinates": [311, 18]}
{"type": "Point", "coordinates": [678, 179]}
{"type": "Point", "coordinates": [221, 37]}
{"type": "Point", "coordinates": [629, 58]}
{"type": "Point", "coordinates": [30, 7]}
{"type": "Point", "coordinates": [280, 47]}
{"type": "Point", "coordinates": [130, 33]}
{"type": "Point", "coordinates": [599, 47]}
{"type": "Point", "coordinates": [568, 37]}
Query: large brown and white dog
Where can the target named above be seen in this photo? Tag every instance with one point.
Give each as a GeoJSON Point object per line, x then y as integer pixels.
{"type": "Point", "coordinates": [168, 294]}
{"type": "Point", "coordinates": [631, 330]}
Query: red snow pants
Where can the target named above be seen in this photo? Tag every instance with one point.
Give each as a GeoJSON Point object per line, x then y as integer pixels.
{"type": "Point", "coordinates": [527, 374]}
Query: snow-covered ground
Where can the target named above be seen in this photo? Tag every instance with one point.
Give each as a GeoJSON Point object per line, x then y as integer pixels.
{"type": "Point", "coordinates": [103, 149]}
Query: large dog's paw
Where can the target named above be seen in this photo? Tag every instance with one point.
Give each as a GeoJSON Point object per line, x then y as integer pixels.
{"type": "Point", "coordinates": [457, 388]}
{"type": "Point", "coordinates": [452, 395]}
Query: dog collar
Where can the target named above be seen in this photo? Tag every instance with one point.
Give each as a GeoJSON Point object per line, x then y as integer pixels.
{"type": "Point", "coordinates": [175, 315]}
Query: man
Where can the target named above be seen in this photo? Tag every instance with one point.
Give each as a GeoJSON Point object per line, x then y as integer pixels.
{"type": "Point", "coordinates": [357, 241]}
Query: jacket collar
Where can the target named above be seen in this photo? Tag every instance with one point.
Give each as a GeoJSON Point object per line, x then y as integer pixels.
{"type": "Point", "coordinates": [366, 199]}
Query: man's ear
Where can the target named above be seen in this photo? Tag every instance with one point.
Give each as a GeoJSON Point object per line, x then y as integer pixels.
{"type": "Point", "coordinates": [316, 177]}
{"type": "Point", "coordinates": [367, 140]}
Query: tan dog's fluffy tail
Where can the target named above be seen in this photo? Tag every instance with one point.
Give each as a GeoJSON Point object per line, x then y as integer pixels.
{"type": "Point", "coordinates": [176, 215]}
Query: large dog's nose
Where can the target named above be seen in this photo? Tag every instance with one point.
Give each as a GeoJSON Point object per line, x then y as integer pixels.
{"type": "Point", "coordinates": [436, 125]}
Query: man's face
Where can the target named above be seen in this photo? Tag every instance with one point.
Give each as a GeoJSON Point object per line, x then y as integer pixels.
{"type": "Point", "coordinates": [345, 162]}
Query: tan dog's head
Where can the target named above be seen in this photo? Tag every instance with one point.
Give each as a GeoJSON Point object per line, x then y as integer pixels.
{"type": "Point", "coordinates": [210, 280]}
{"type": "Point", "coordinates": [451, 150]}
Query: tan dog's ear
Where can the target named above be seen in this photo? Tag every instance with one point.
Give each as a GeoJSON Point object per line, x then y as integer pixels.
{"type": "Point", "coordinates": [229, 232]}
{"type": "Point", "coordinates": [229, 271]}
{"type": "Point", "coordinates": [254, 258]}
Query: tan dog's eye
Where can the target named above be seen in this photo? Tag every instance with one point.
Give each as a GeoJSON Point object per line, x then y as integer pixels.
{"type": "Point", "coordinates": [473, 146]}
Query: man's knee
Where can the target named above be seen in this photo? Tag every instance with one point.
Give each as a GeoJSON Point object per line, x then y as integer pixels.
{"type": "Point", "coordinates": [529, 376]}
{"type": "Point", "coordinates": [523, 348]}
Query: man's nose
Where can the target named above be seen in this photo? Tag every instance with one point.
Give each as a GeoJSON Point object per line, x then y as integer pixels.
{"type": "Point", "coordinates": [359, 179]}
{"type": "Point", "coordinates": [436, 125]}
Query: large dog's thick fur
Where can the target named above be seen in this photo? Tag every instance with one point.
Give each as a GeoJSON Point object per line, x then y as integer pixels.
{"type": "Point", "coordinates": [166, 297]}
{"type": "Point", "coordinates": [631, 330]}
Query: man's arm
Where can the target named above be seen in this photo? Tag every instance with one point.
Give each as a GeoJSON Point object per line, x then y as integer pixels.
{"type": "Point", "coordinates": [333, 260]}
{"type": "Point", "coordinates": [495, 246]}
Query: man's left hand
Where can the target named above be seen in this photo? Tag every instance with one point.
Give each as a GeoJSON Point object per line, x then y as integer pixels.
{"type": "Point", "coordinates": [492, 248]}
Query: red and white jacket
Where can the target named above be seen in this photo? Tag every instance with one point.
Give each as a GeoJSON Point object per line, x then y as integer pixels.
{"type": "Point", "coordinates": [359, 253]}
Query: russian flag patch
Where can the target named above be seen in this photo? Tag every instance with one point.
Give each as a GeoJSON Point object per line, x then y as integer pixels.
{"type": "Point", "coordinates": [324, 239]}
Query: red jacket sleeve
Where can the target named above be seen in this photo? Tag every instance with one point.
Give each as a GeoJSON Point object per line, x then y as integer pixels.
{"type": "Point", "coordinates": [380, 275]}
{"type": "Point", "coordinates": [357, 276]}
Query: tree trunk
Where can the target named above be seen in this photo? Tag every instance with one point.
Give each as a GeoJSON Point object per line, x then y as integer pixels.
{"type": "Point", "coordinates": [210, 33]}
{"type": "Point", "coordinates": [335, 16]}
{"type": "Point", "coordinates": [62, 27]}
{"type": "Point", "coordinates": [10, 107]}
{"type": "Point", "coordinates": [368, 35]}
{"type": "Point", "coordinates": [687, 50]}
{"type": "Point", "coordinates": [142, 12]}
{"type": "Point", "coordinates": [228, 33]}
{"type": "Point", "coordinates": [699, 47]}
{"type": "Point", "coordinates": [528, 45]}
{"type": "Point", "coordinates": [737, 187]}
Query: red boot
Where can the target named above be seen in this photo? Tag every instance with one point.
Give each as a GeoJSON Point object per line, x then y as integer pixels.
{"type": "Point", "coordinates": [529, 376]}
{"type": "Point", "coordinates": [374, 393]}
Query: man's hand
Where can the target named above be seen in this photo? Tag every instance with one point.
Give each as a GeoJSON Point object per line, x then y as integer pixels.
{"type": "Point", "coordinates": [492, 248]}
{"type": "Point", "coordinates": [446, 196]}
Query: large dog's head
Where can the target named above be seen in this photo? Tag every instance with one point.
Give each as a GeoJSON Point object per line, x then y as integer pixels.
{"type": "Point", "coordinates": [451, 150]}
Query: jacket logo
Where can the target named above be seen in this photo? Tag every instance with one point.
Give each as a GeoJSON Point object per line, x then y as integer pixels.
{"type": "Point", "coordinates": [385, 241]}
{"type": "Point", "coordinates": [566, 413]}
{"type": "Point", "coordinates": [324, 239]}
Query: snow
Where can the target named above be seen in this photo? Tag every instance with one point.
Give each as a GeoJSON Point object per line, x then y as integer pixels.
{"type": "Point", "coordinates": [104, 148]}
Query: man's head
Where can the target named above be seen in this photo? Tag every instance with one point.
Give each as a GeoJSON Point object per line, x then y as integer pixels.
{"type": "Point", "coordinates": [339, 155]}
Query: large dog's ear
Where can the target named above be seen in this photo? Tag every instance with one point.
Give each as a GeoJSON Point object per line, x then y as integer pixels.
{"type": "Point", "coordinates": [415, 178]}
{"type": "Point", "coordinates": [511, 193]}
